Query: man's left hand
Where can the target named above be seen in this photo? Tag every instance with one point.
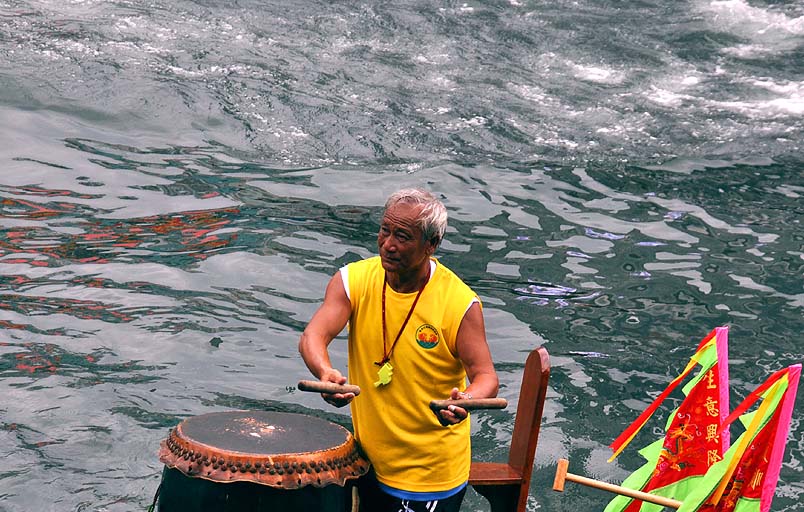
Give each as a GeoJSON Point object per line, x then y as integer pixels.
{"type": "Point", "coordinates": [453, 414]}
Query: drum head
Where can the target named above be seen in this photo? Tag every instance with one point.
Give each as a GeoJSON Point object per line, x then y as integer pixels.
{"type": "Point", "coordinates": [277, 449]}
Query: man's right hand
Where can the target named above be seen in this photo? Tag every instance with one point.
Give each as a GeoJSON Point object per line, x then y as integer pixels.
{"type": "Point", "coordinates": [336, 399]}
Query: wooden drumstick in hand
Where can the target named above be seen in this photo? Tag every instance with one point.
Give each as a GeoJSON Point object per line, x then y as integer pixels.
{"type": "Point", "coordinates": [470, 404]}
{"type": "Point", "coordinates": [331, 388]}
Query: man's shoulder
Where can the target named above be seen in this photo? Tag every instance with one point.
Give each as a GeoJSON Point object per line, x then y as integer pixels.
{"type": "Point", "coordinates": [364, 267]}
{"type": "Point", "coordinates": [366, 263]}
{"type": "Point", "coordinates": [449, 276]}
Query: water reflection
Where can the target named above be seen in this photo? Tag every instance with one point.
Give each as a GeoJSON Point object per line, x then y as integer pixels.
{"type": "Point", "coordinates": [180, 235]}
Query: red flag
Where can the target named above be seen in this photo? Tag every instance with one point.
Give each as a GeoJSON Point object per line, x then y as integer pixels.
{"type": "Point", "coordinates": [695, 435]}
{"type": "Point", "coordinates": [746, 478]}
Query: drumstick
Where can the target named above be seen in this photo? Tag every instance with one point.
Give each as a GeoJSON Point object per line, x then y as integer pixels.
{"type": "Point", "coordinates": [470, 404]}
{"type": "Point", "coordinates": [318, 386]}
{"type": "Point", "coordinates": [562, 475]}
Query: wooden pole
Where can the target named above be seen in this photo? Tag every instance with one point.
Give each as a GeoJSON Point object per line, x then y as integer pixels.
{"type": "Point", "coordinates": [330, 388]}
{"type": "Point", "coordinates": [562, 474]}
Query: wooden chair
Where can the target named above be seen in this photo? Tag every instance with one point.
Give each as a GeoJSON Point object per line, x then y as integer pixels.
{"type": "Point", "coordinates": [506, 485]}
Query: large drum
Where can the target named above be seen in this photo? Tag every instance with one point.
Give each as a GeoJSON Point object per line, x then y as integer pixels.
{"type": "Point", "coordinates": [258, 461]}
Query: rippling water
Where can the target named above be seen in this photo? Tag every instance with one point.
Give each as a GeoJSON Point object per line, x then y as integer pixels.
{"type": "Point", "coordinates": [180, 179]}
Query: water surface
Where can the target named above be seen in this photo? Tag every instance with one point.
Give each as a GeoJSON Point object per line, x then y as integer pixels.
{"type": "Point", "coordinates": [180, 180]}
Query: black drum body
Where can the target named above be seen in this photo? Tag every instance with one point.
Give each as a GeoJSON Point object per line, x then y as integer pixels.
{"type": "Point", "coordinates": [181, 493]}
{"type": "Point", "coordinates": [249, 461]}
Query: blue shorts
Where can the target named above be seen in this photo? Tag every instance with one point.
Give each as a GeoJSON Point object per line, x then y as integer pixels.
{"type": "Point", "coordinates": [373, 498]}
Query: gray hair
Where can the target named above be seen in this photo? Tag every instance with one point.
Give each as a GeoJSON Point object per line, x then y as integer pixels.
{"type": "Point", "coordinates": [433, 217]}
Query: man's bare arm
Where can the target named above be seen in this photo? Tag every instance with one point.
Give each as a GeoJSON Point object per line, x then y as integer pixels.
{"type": "Point", "coordinates": [474, 353]}
{"type": "Point", "coordinates": [327, 322]}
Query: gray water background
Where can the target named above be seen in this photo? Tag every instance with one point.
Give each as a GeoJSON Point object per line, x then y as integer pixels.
{"type": "Point", "coordinates": [178, 180]}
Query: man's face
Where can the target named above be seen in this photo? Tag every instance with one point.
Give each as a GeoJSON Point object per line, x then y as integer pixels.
{"type": "Point", "coordinates": [400, 239]}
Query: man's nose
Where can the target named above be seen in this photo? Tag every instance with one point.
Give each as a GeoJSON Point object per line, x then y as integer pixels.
{"type": "Point", "coordinates": [388, 244]}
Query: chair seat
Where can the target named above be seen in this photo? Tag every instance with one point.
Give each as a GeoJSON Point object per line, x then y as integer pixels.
{"type": "Point", "coordinates": [493, 473]}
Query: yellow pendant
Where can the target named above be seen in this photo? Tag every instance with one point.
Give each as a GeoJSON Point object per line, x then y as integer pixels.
{"type": "Point", "coordinates": [384, 373]}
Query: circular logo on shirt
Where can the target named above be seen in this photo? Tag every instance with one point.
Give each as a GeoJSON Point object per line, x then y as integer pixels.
{"type": "Point", "coordinates": [427, 336]}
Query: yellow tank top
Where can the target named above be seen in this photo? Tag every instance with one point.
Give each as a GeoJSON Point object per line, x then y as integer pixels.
{"type": "Point", "coordinates": [394, 425]}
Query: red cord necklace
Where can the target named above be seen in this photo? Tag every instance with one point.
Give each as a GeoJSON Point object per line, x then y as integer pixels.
{"type": "Point", "coordinates": [386, 370]}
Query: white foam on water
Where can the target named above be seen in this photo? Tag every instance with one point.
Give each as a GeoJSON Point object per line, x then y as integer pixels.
{"type": "Point", "coordinates": [596, 73]}
{"type": "Point", "coordinates": [767, 30]}
{"type": "Point", "coordinates": [532, 93]}
{"type": "Point", "coordinates": [727, 90]}
{"type": "Point", "coordinates": [464, 8]}
{"type": "Point", "coordinates": [474, 121]}
{"type": "Point", "coordinates": [678, 86]}
{"type": "Point", "coordinates": [208, 71]}
{"type": "Point", "coordinates": [556, 142]}
{"type": "Point", "coordinates": [764, 108]}
{"type": "Point", "coordinates": [548, 105]}
{"type": "Point", "coordinates": [790, 95]}
{"type": "Point", "coordinates": [769, 99]}
{"type": "Point", "coordinates": [745, 19]}
{"type": "Point", "coordinates": [665, 97]}
{"type": "Point", "coordinates": [443, 82]}
{"type": "Point", "coordinates": [433, 58]}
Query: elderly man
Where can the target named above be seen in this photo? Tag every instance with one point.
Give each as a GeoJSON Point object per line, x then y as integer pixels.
{"type": "Point", "coordinates": [416, 333]}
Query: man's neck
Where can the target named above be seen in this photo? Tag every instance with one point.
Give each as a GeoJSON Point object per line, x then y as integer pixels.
{"type": "Point", "coordinates": [409, 282]}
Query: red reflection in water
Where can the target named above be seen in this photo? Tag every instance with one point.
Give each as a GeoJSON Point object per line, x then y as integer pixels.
{"type": "Point", "coordinates": [46, 192]}
{"type": "Point", "coordinates": [5, 324]}
{"type": "Point", "coordinates": [84, 309]}
{"type": "Point", "coordinates": [191, 233]}
{"type": "Point", "coordinates": [41, 358]}
{"type": "Point", "coordinates": [44, 359]}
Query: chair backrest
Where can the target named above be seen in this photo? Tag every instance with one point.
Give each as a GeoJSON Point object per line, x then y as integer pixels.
{"type": "Point", "coordinates": [529, 415]}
